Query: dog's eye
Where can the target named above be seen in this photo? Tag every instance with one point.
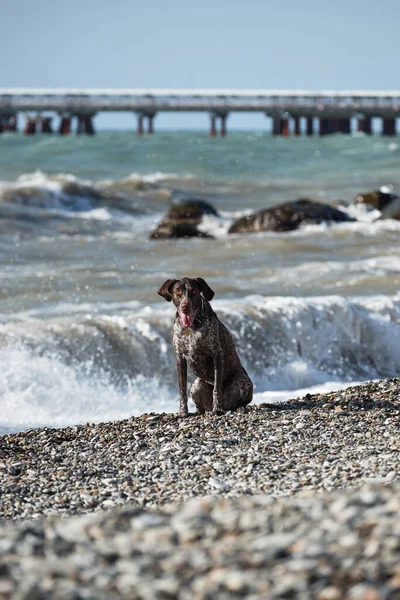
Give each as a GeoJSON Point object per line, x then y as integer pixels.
{"type": "Point", "coordinates": [193, 292]}
{"type": "Point", "coordinates": [178, 293]}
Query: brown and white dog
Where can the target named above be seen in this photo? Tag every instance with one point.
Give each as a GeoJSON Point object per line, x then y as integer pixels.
{"type": "Point", "coordinates": [202, 341]}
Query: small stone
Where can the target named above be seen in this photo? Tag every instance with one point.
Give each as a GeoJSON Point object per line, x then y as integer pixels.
{"type": "Point", "coordinates": [330, 593]}
{"type": "Point", "coordinates": [391, 476]}
{"type": "Point", "coordinates": [15, 469]}
{"type": "Point", "coordinates": [217, 484]}
{"type": "Point", "coordinates": [235, 582]}
{"type": "Point", "coordinates": [363, 591]}
{"type": "Point", "coordinates": [6, 588]}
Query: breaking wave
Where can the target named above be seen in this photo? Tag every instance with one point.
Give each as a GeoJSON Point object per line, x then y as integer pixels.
{"type": "Point", "coordinates": [92, 368]}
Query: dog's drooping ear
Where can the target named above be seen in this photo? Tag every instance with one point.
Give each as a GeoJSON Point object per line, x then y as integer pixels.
{"type": "Point", "coordinates": [205, 289]}
{"type": "Point", "coordinates": [166, 289]}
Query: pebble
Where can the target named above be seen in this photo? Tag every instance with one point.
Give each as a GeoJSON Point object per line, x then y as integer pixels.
{"type": "Point", "coordinates": [295, 499]}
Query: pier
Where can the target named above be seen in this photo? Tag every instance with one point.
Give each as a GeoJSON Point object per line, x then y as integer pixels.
{"type": "Point", "coordinates": [298, 112]}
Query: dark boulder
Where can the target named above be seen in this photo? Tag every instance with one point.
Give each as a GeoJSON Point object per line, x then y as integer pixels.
{"type": "Point", "coordinates": [193, 203]}
{"type": "Point", "coordinates": [288, 217]}
{"type": "Point", "coordinates": [183, 219]}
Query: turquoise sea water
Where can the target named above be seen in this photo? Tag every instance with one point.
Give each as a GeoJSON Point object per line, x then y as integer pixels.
{"type": "Point", "coordinates": [359, 161]}
{"type": "Point", "coordinates": [83, 334]}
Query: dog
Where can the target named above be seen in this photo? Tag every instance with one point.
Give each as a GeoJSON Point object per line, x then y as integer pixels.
{"type": "Point", "coordinates": [202, 341]}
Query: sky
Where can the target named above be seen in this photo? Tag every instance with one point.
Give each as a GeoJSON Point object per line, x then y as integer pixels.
{"type": "Point", "coordinates": [257, 44]}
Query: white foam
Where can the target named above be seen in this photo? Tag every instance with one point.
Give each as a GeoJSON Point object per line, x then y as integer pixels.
{"type": "Point", "coordinates": [43, 391]}
{"type": "Point", "coordinates": [158, 176]}
{"type": "Point", "coordinates": [100, 367]}
{"type": "Point", "coordinates": [272, 396]}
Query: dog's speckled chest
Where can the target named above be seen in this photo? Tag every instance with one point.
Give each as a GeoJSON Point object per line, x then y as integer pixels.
{"type": "Point", "coordinates": [194, 342]}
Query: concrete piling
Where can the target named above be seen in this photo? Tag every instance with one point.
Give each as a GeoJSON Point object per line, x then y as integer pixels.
{"type": "Point", "coordinates": [284, 127]}
{"type": "Point", "coordinates": [276, 126]}
{"type": "Point", "coordinates": [364, 125]}
{"type": "Point", "coordinates": [223, 125]}
{"type": "Point", "coordinates": [30, 126]}
{"type": "Point", "coordinates": [89, 128]}
{"type": "Point", "coordinates": [280, 126]}
{"type": "Point", "coordinates": [213, 124]}
{"type": "Point", "coordinates": [84, 125]}
{"type": "Point", "coordinates": [213, 129]}
{"type": "Point", "coordinates": [324, 127]}
{"type": "Point", "coordinates": [45, 125]}
{"type": "Point", "coordinates": [344, 126]}
{"type": "Point", "coordinates": [150, 127]}
{"type": "Point", "coordinates": [141, 116]}
{"type": "Point", "coordinates": [309, 126]}
{"type": "Point", "coordinates": [65, 126]}
{"type": "Point", "coordinates": [388, 126]}
{"type": "Point", "coordinates": [139, 129]}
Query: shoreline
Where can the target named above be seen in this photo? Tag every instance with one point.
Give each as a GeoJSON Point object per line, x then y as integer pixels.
{"type": "Point", "coordinates": [274, 448]}
{"type": "Point", "coordinates": [296, 476]}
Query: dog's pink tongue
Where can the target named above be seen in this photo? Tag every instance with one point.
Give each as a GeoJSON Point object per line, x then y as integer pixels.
{"type": "Point", "coordinates": [186, 319]}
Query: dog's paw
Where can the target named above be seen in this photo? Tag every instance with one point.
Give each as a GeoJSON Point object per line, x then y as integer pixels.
{"type": "Point", "coordinates": [218, 411]}
{"type": "Point", "coordinates": [183, 414]}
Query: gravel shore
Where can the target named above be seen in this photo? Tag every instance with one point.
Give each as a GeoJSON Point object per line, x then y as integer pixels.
{"type": "Point", "coordinates": [273, 515]}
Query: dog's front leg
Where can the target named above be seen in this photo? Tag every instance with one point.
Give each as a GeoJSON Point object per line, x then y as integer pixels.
{"type": "Point", "coordinates": [181, 366]}
{"type": "Point", "coordinates": [217, 390]}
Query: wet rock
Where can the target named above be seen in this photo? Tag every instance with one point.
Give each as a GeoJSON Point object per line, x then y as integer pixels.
{"type": "Point", "coordinates": [288, 217]}
{"type": "Point", "coordinates": [384, 199]}
{"type": "Point", "coordinates": [183, 219]}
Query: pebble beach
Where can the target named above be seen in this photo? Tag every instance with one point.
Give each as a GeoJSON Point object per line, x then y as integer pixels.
{"type": "Point", "coordinates": [299, 499]}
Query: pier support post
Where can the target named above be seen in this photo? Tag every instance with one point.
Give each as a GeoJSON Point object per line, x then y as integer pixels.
{"type": "Point", "coordinates": [284, 127]}
{"type": "Point", "coordinates": [344, 126]}
{"type": "Point", "coordinates": [327, 126]}
{"type": "Point", "coordinates": [80, 128]}
{"type": "Point", "coordinates": [139, 129]}
{"type": "Point", "coordinates": [388, 126]}
{"type": "Point", "coordinates": [89, 129]}
{"type": "Point", "coordinates": [214, 117]}
{"type": "Point", "coordinates": [213, 129]}
{"type": "Point", "coordinates": [30, 126]}
{"type": "Point", "coordinates": [276, 126]}
{"type": "Point", "coordinates": [297, 126]}
{"type": "Point", "coordinates": [141, 116]}
{"type": "Point", "coordinates": [223, 125]}
{"type": "Point", "coordinates": [85, 125]}
{"type": "Point", "coordinates": [150, 128]}
{"type": "Point", "coordinates": [364, 125]}
{"type": "Point", "coordinates": [45, 125]}
{"type": "Point", "coordinates": [65, 126]}
{"type": "Point", "coordinates": [280, 126]}
{"type": "Point", "coordinates": [310, 126]}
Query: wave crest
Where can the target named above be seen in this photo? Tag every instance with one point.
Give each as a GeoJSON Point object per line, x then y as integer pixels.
{"type": "Point", "coordinates": [71, 370]}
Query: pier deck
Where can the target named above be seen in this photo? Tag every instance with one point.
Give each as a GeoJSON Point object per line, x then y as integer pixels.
{"type": "Point", "coordinates": [292, 111]}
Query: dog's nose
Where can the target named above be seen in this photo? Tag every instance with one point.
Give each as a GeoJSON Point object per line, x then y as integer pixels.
{"type": "Point", "coordinates": [185, 308]}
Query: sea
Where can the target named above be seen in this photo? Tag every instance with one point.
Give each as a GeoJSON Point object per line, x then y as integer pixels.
{"type": "Point", "coordinates": [84, 337]}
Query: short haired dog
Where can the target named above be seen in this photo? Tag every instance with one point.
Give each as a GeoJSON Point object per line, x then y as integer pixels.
{"type": "Point", "coordinates": [202, 341]}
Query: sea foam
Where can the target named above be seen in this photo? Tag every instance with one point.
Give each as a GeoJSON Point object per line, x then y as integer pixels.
{"type": "Point", "coordinates": [75, 369]}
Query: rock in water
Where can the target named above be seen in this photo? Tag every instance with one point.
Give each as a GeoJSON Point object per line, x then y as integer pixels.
{"type": "Point", "coordinates": [288, 217]}
{"type": "Point", "coordinates": [183, 219]}
{"type": "Point", "coordinates": [384, 199]}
